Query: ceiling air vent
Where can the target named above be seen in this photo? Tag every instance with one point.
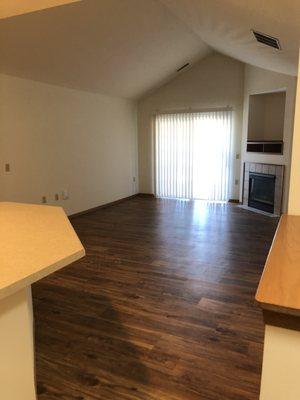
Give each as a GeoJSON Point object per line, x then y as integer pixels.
{"type": "Point", "coordinates": [267, 40]}
{"type": "Point", "coordinates": [183, 66]}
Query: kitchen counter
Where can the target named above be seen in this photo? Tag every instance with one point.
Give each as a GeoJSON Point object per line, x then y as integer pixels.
{"type": "Point", "coordinates": [35, 241]}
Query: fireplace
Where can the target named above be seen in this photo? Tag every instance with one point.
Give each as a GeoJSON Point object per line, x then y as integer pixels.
{"type": "Point", "coordinates": [261, 191]}
{"type": "Point", "coordinates": [263, 187]}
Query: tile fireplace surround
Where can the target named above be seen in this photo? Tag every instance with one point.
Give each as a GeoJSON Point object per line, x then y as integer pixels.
{"type": "Point", "coordinates": [267, 169]}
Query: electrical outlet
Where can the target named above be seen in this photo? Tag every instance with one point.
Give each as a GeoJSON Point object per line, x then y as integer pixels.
{"type": "Point", "coordinates": [56, 197]}
{"type": "Point", "coordinates": [44, 199]}
{"type": "Point", "coordinates": [7, 167]}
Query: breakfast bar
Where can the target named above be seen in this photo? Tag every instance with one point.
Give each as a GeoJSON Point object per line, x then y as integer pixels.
{"type": "Point", "coordinates": [35, 241]}
{"type": "Point", "coordinates": [279, 296]}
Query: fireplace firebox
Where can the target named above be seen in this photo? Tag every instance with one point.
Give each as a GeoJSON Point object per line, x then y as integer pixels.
{"type": "Point", "coordinates": [261, 191]}
{"type": "Point", "coordinates": [264, 190]}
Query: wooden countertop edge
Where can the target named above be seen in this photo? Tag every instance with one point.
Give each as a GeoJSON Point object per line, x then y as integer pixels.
{"type": "Point", "coordinates": [258, 296]}
{"type": "Point", "coordinates": [281, 263]}
{"type": "Point", "coordinates": [40, 274]}
{"type": "Point", "coordinates": [278, 309]}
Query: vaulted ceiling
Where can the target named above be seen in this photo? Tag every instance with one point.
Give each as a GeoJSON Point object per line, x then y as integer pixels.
{"type": "Point", "coordinates": [118, 47]}
{"type": "Point", "coordinates": [226, 26]}
{"type": "Point", "coordinates": [128, 47]}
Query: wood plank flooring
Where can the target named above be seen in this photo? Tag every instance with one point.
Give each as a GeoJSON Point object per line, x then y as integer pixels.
{"type": "Point", "coordinates": [162, 307]}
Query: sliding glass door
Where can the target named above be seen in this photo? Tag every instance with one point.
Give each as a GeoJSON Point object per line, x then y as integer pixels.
{"type": "Point", "coordinates": [193, 155]}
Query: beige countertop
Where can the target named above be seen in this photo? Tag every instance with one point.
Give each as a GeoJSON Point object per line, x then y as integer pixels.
{"type": "Point", "coordinates": [35, 241]}
{"type": "Point", "coordinates": [279, 287]}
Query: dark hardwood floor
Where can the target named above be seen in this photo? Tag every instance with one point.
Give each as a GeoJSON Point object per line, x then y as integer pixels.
{"type": "Point", "coordinates": [162, 307]}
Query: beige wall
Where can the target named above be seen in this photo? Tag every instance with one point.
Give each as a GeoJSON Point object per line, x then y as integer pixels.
{"type": "Point", "coordinates": [294, 198]}
{"type": "Point", "coordinates": [216, 81]}
{"type": "Point", "coordinates": [281, 364]}
{"type": "Point", "coordinates": [59, 139]}
{"type": "Point", "coordinates": [257, 81]}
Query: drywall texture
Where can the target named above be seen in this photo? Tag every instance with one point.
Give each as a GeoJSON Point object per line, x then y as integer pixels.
{"type": "Point", "coordinates": [294, 198]}
{"type": "Point", "coordinates": [58, 139]}
{"type": "Point", "coordinates": [258, 81]}
{"type": "Point", "coordinates": [214, 82]}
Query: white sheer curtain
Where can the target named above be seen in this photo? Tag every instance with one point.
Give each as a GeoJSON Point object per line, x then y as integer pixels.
{"type": "Point", "coordinates": [193, 155]}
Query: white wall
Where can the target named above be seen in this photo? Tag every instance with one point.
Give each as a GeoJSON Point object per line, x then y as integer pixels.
{"type": "Point", "coordinates": [258, 80]}
{"type": "Point", "coordinates": [56, 138]}
{"type": "Point", "coordinates": [216, 81]}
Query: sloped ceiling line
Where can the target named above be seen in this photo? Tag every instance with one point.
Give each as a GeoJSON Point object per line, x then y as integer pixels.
{"type": "Point", "coordinates": [226, 26]}
{"type": "Point", "coordinates": [126, 48]}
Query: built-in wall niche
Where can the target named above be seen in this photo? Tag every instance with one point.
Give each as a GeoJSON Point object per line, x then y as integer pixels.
{"type": "Point", "coordinates": [266, 123]}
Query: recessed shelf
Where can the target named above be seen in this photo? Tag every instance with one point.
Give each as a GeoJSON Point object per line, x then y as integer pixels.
{"type": "Point", "coordinates": [266, 123]}
{"type": "Point", "coordinates": [267, 147]}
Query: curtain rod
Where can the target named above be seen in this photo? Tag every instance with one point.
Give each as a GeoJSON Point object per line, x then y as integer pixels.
{"type": "Point", "coordinates": [192, 110]}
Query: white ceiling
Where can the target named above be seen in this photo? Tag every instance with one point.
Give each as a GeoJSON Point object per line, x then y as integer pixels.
{"type": "Point", "coordinates": [226, 25]}
{"type": "Point", "coordinates": [118, 47]}
{"type": "Point", "coordinates": [128, 47]}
